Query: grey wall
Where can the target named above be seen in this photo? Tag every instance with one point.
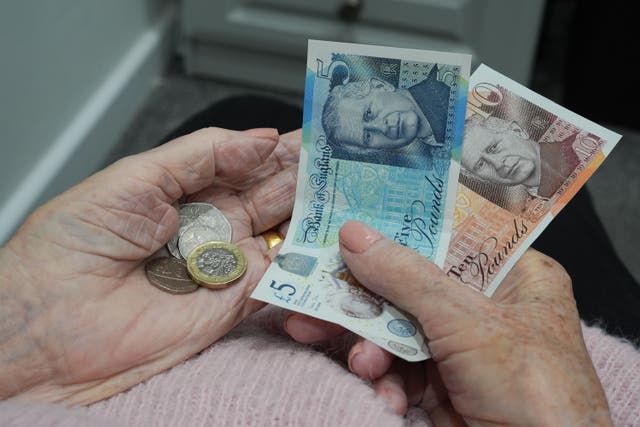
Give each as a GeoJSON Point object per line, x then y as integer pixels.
{"type": "Point", "coordinates": [65, 65]}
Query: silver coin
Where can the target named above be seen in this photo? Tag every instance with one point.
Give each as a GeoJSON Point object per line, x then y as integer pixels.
{"type": "Point", "coordinates": [202, 214]}
{"type": "Point", "coordinates": [195, 235]}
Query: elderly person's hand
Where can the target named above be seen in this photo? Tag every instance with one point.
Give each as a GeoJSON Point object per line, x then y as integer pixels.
{"type": "Point", "coordinates": [79, 320]}
{"type": "Point", "coordinates": [516, 359]}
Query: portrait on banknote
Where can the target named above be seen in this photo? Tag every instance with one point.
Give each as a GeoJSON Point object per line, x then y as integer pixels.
{"type": "Point", "coordinates": [354, 302]}
{"type": "Point", "coordinates": [387, 111]}
{"type": "Point", "coordinates": [346, 295]}
{"type": "Point", "coordinates": [518, 155]}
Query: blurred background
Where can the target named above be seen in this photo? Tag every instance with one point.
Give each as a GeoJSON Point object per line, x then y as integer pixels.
{"type": "Point", "coordinates": [84, 83]}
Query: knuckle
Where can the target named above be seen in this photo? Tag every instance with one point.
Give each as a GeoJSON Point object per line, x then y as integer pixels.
{"type": "Point", "coordinates": [554, 269]}
{"type": "Point", "coordinates": [540, 269]}
{"type": "Point", "coordinates": [534, 262]}
{"type": "Point", "coordinates": [209, 131]}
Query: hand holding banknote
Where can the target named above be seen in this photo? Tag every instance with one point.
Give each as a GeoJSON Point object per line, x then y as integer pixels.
{"type": "Point", "coordinates": [516, 359]}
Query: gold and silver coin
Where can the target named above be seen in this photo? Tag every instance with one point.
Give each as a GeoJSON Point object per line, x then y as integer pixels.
{"type": "Point", "coordinates": [204, 214]}
{"type": "Point", "coordinates": [170, 275]}
{"type": "Point", "coordinates": [216, 264]}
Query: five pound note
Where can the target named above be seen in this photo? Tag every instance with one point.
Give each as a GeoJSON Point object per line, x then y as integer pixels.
{"type": "Point", "coordinates": [381, 144]}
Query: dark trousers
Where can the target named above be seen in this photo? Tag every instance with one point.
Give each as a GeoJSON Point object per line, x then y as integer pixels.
{"type": "Point", "coordinates": [605, 291]}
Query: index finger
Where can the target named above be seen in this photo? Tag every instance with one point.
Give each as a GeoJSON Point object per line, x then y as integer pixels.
{"type": "Point", "coordinates": [192, 162]}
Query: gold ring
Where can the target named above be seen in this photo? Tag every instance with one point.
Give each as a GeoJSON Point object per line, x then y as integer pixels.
{"type": "Point", "coordinates": [272, 238]}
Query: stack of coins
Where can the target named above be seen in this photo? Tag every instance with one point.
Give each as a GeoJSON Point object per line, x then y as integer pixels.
{"type": "Point", "coordinates": [203, 254]}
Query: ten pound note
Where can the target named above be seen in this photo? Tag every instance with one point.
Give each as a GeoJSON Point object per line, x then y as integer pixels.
{"type": "Point", "coordinates": [524, 158]}
{"type": "Point", "coordinates": [381, 144]}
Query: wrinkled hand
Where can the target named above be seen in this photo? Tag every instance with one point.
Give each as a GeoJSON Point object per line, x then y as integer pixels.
{"type": "Point", "coordinates": [79, 321]}
{"type": "Point", "coordinates": [516, 359]}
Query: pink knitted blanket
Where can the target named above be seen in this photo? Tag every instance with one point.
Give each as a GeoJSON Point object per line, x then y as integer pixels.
{"type": "Point", "coordinates": [256, 376]}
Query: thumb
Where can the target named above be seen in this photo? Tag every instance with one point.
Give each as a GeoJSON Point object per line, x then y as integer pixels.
{"type": "Point", "coordinates": [409, 280]}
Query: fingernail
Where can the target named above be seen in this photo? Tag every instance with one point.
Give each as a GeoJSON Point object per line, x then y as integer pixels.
{"type": "Point", "coordinates": [288, 323]}
{"type": "Point", "coordinates": [264, 133]}
{"type": "Point", "coordinates": [357, 237]}
{"type": "Point", "coordinates": [355, 361]}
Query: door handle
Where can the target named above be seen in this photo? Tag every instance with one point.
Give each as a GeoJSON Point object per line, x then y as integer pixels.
{"type": "Point", "coordinates": [350, 10]}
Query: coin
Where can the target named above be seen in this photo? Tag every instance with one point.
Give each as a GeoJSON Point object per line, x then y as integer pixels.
{"type": "Point", "coordinates": [203, 214]}
{"type": "Point", "coordinates": [169, 275]}
{"type": "Point", "coordinates": [216, 264]}
{"type": "Point", "coordinates": [195, 235]}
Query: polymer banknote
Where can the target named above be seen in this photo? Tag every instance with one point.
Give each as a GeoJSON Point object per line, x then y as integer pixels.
{"type": "Point", "coordinates": [381, 144]}
{"type": "Point", "coordinates": [524, 157]}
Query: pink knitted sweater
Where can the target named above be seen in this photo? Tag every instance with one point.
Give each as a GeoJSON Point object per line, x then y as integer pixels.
{"type": "Point", "coordinates": [256, 376]}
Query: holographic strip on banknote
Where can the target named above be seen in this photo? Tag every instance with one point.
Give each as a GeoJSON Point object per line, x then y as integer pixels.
{"type": "Point", "coordinates": [382, 135]}
{"type": "Point", "coordinates": [524, 157]}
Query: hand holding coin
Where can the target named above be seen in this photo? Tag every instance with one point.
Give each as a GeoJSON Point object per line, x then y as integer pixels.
{"type": "Point", "coordinates": [79, 263]}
